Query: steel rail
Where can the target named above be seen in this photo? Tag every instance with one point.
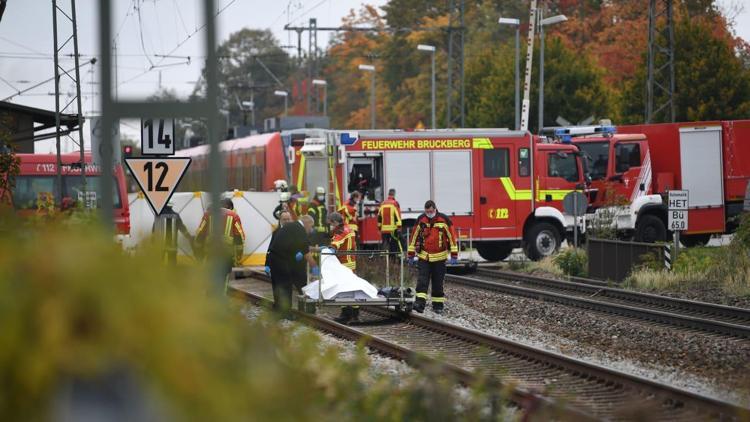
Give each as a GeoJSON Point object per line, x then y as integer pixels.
{"type": "Point", "coordinates": [517, 395]}
{"type": "Point", "coordinates": [599, 392]}
{"type": "Point", "coordinates": [713, 318]}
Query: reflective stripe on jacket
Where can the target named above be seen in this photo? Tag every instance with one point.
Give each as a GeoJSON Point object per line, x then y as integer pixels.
{"type": "Point", "coordinates": [433, 238]}
{"type": "Point", "coordinates": [345, 240]}
{"type": "Point", "coordinates": [318, 212]}
{"type": "Point", "coordinates": [389, 216]}
{"type": "Point", "coordinates": [349, 212]}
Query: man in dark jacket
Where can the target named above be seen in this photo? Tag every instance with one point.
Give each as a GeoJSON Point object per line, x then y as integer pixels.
{"type": "Point", "coordinates": [287, 255]}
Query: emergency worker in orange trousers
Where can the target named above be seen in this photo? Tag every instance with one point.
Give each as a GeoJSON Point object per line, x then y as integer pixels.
{"type": "Point", "coordinates": [432, 241]}
{"type": "Point", "coordinates": [344, 240]}
{"type": "Point", "coordinates": [349, 211]}
{"type": "Point", "coordinates": [232, 233]}
{"type": "Point", "coordinates": [389, 223]}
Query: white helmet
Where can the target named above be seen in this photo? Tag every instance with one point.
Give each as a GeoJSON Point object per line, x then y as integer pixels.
{"type": "Point", "coordinates": [280, 185]}
{"type": "Point", "coordinates": [284, 196]}
{"type": "Point", "coordinates": [320, 190]}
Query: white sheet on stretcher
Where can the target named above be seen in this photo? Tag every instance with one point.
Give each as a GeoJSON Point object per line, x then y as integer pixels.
{"type": "Point", "coordinates": [339, 282]}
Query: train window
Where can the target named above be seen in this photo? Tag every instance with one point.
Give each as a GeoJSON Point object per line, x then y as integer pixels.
{"type": "Point", "coordinates": [627, 156]}
{"type": "Point", "coordinates": [496, 162]}
{"type": "Point", "coordinates": [28, 188]}
{"type": "Point", "coordinates": [562, 165]}
{"type": "Point", "coordinates": [523, 162]}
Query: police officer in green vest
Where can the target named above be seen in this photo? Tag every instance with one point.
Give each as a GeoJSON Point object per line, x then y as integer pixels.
{"type": "Point", "coordinates": [317, 210]}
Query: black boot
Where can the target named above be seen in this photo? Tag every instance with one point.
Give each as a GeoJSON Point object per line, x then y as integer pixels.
{"type": "Point", "coordinates": [345, 316]}
{"type": "Point", "coordinates": [419, 305]}
{"type": "Point", "coordinates": [355, 315]}
{"type": "Point", "coordinates": [438, 307]}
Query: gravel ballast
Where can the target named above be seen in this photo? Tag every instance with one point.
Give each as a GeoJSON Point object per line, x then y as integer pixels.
{"type": "Point", "coordinates": [706, 364]}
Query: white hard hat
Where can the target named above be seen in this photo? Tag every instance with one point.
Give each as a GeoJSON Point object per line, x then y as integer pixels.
{"type": "Point", "coordinates": [320, 190]}
{"type": "Point", "coordinates": [280, 184]}
{"type": "Point", "coordinates": [284, 196]}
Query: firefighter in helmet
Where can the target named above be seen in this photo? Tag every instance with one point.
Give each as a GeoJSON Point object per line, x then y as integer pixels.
{"type": "Point", "coordinates": [432, 241]}
{"type": "Point", "coordinates": [389, 222]}
{"type": "Point", "coordinates": [349, 211]}
{"type": "Point", "coordinates": [317, 210]}
{"type": "Point", "coordinates": [233, 234]}
{"type": "Point", "coordinates": [344, 240]}
{"type": "Point", "coordinates": [284, 205]}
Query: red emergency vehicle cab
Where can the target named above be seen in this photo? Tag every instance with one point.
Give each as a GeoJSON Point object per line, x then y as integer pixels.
{"type": "Point", "coordinates": [636, 167]}
{"type": "Point", "coordinates": [480, 178]}
{"type": "Point", "coordinates": [38, 179]}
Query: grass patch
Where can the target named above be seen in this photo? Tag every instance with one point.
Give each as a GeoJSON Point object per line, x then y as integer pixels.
{"type": "Point", "coordinates": [726, 269]}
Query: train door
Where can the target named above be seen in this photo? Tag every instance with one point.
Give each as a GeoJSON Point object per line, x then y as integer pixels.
{"type": "Point", "coordinates": [498, 192]}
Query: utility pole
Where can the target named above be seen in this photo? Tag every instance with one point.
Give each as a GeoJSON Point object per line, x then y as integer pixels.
{"type": "Point", "coordinates": [660, 78]}
{"type": "Point", "coordinates": [76, 79]}
{"type": "Point", "coordinates": [454, 111]}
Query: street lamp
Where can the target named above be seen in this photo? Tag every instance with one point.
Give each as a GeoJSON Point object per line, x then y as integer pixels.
{"type": "Point", "coordinates": [286, 97]}
{"type": "Point", "coordinates": [542, 23]}
{"type": "Point", "coordinates": [250, 105]}
{"type": "Point", "coordinates": [324, 84]}
{"type": "Point", "coordinates": [431, 49]}
{"type": "Point", "coordinates": [371, 68]}
{"type": "Point", "coordinates": [517, 24]}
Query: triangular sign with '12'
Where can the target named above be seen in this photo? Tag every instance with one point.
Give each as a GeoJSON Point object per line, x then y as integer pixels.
{"type": "Point", "coordinates": [158, 178]}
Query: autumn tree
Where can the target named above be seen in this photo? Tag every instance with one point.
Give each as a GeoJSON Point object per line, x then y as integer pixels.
{"type": "Point", "coordinates": [711, 81]}
{"type": "Point", "coordinates": [251, 64]}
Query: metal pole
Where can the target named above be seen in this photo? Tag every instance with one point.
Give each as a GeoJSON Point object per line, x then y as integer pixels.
{"type": "Point", "coordinates": [325, 100]}
{"type": "Point", "coordinates": [286, 105]}
{"type": "Point", "coordinates": [676, 246]}
{"type": "Point", "coordinates": [433, 89]}
{"type": "Point", "coordinates": [106, 185]}
{"type": "Point", "coordinates": [78, 97]}
{"type": "Point", "coordinates": [216, 170]}
{"type": "Point", "coordinates": [372, 99]}
{"type": "Point", "coordinates": [58, 177]}
{"type": "Point", "coordinates": [518, 78]}
{"type": "Point", "coordinates": [541, 73]}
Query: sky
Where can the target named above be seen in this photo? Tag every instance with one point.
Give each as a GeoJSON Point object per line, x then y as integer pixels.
{"type": "Point", "coordinates": [145, 34]}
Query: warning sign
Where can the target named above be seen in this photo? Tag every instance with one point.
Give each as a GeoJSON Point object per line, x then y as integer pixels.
{"type": "Point", "coordinates": [158, 178]}
{"type": "Point", "coordinates": [678, 210]}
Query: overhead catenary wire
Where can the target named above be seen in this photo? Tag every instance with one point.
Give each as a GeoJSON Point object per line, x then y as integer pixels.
{"type": "Point", "coordinates": [180, 44]}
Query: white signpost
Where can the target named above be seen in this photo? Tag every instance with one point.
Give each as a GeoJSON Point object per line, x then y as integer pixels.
{"type": "Point", "coordinates": [157, 136]}
{"type": "Point", "coordinates": [678, 215]}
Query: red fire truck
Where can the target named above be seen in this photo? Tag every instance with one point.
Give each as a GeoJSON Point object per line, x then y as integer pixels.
{"type": "Point", "coordinates": [481, 178]}
{"type": "Point", "coordinates": [641, 163]}
{"type": "Point", "coordinates": [38, 178]}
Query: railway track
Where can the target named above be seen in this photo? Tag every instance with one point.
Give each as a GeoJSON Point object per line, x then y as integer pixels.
{"type": "Point", "coordinates": [551, 382]}
{"type": "Point", "coordinates": [686, 314]}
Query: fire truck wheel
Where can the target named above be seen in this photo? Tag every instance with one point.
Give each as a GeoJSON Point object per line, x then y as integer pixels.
{"type": "Point", "coordinates": [494, 251]}
{"type": "Point", "coordinates": [650, 229]}
{"type": "Point", "coordinates": [542, 240]}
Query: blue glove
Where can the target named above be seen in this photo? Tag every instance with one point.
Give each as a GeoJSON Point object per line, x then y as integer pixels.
{"type": "Point", "coordinates": [299, 256]}
{"type": "Point", "coordinates": [452, 261]}
{"type": "Point", "coordinates": [267, 270]}
{"type": "Point", "coordinates": [315, 271]}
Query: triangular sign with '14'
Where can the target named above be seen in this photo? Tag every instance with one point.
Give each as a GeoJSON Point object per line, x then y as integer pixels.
{"type": "Point", "coordinates": [158, 178]}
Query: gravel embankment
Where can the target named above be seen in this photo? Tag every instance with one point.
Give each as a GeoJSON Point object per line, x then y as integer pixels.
{"type": "Point", "coordinates": [380, 365]}
{"type": "Point", "coordinates": [703, 363]}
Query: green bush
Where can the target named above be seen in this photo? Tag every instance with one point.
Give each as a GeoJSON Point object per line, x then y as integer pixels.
{"type": "Point", "coordinates": [572, 261]}
{"type": "Point", "coordinates": [76, 308]}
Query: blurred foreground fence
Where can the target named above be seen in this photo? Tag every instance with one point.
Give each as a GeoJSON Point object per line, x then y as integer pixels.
{"type": "Point", "coordinates": [615, 259]}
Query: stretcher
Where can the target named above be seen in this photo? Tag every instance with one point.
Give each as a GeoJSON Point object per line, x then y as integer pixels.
{"type": "Point", "coordinates": [344, 288]}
